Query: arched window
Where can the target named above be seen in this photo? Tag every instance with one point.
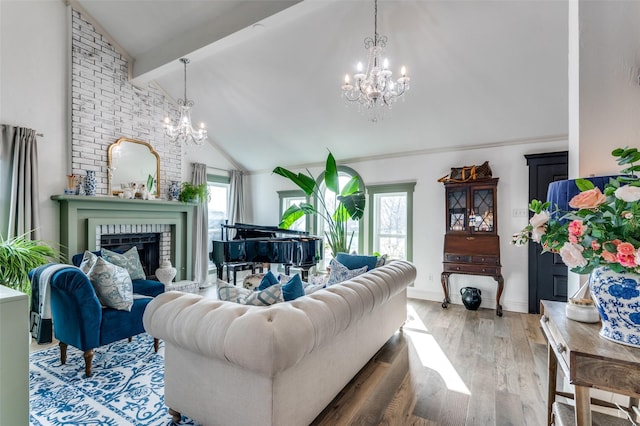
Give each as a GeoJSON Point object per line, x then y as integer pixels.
{"type": "Point", "coordinates": [353, 226]}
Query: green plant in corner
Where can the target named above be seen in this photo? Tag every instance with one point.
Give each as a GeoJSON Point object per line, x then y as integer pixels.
{"type": "Point", "coordinates": [350, 202]}
{"type": "Point", "coordinates": [190, 193]}
{"type": "Point", "coordinates": [18, 255]}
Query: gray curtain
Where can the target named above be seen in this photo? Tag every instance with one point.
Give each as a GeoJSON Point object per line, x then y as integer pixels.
{"type": "Point", "coordinates": [236, 198]}
{"type": "Point", "coordinates": [20, 213]}
{"type": "Point", "coordinates": [201, 240]}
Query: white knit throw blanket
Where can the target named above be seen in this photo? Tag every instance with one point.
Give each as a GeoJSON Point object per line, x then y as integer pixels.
{"type": "Point", "coordinates": [44, 285]}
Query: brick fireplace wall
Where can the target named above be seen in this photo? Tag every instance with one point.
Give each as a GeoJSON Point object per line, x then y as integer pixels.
{"type": "Point", "coordinates": [106, 106]}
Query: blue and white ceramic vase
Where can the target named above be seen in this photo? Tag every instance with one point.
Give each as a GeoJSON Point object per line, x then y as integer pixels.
{"type": "Point", "coordinates": [90, 183]}
{"type": "Point", "coordinates": [617, 297]}
{"type": "Point", "coordinates": [174, 190]}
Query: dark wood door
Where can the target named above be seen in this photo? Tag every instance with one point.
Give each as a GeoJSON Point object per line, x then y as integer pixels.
{"type": "Point", "coordinates": [547, 273]}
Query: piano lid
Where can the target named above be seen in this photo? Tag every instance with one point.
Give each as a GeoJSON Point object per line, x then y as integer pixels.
{"type": "Point", "coordinates": [246, 231]}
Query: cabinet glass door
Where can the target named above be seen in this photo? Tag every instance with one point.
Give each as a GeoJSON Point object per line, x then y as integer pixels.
{"type": "Point", "coordinates": [483, 210]}
{"type": "Point", "coordinates": [457, 214]}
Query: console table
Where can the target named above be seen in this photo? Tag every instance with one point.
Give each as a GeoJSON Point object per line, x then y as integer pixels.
{"type": "Point", "coordinates": [588, 361]}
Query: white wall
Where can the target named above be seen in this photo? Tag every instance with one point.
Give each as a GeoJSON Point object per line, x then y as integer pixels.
{"type": "Point", "coordinates": [507, 163]}
{"type": "Point", "coordinates": [33, 90]}
{"type": "Point", "coordinates": [34, 72]}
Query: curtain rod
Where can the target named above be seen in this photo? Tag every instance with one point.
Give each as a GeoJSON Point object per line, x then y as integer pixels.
{"type": "Point", "coordinates": [41, 135]}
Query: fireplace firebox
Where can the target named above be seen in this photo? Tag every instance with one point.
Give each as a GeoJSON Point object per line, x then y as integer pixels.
{"type": "Point", "coordinates": [148, 245]}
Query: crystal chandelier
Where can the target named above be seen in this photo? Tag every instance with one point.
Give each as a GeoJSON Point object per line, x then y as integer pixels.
{"type": "Point", "coordinates": [184, 132]}
{"type": "Point", "coordinates": [375, 89]}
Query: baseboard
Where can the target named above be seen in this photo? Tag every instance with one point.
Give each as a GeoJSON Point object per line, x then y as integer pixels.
{"type": "Point", "coordinates": [507, 305]}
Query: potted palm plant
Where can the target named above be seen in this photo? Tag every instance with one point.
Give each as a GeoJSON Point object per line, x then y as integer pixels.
{"type": "Point", "coordinates": [350, 202]}
{"type": "Point", "coordinates": [18, 255]}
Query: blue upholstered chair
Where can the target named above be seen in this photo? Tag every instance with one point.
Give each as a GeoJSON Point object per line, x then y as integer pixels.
{"type": "Point", "coordinates": [81, 321]}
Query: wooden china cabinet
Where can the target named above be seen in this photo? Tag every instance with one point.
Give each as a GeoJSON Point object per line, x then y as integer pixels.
{"type": "Point", "coordinates": [471, 242]}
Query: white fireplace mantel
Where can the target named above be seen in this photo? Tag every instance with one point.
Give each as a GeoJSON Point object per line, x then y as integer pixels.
{"type": "Point", "coordinates": [80, 215]}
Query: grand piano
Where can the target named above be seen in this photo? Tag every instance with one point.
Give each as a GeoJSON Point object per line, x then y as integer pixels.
{"type": "Point", "coordinates": [266, 244]}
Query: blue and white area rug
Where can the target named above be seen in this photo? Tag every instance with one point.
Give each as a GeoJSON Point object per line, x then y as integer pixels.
{"type": "Point", "coordinates": [126, 386]}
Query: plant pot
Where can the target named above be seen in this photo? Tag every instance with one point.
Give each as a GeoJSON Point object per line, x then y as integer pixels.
{"type": "Point", "coordinates": [617, 297]}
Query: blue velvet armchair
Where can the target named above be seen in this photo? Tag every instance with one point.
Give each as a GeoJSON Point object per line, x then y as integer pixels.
{"type": "Point", "coordinates": [81, 321]}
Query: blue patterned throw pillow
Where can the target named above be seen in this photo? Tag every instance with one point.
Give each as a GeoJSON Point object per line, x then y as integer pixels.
{"type": "Point", "coordinates": [244, 296]}
{"type": "Point", "coordinates": [340, 273]}
{"type": "Point", "coordinates": [128, 260]}
{"type": "Point", "coordinates": [88, 260]}
{"type": "Point", "coordinates": [267, 281]}
{"type": "Point", "coordinates": [355, 261]}
{"type": "Point", "coordinates": [112, 284]}
{"type": "Point", "coordinates": [293, 288]}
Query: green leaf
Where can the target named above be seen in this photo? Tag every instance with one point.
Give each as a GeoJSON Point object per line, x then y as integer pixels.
{"type": "Point", "coordinates": [331, 178]}
{"type": "Point", "coordinates": [295, 212]}
{"type": "Point", "coordinates": [352, 186]}
{"type": "Point", "coordinates": [354, 204]}
{"type": "Point", "coordinates": [304, 182]}
{"type": "Point", "coordinates": [617, 152]}
{"type": "Point", "coordinates": [584, 185]}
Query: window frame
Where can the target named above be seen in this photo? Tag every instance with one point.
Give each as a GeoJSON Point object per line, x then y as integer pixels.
{"type": "Point", "coordinates": [220, 180]}
{"type": "Point", "coordinates": [293, 193]}
{"type": "Point", "coordinates": [404, 187]}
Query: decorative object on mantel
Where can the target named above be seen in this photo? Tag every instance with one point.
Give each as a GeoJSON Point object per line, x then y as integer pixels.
{"type": "Point", "coordinates": [165, 273]}
{"type": "Point", "coordinates": [132, 161]}
{"type": "Point", "coordinates": [90, 183]}
{"type": "Point", "coordinates": [374, 89]}
{"type": "Point", "coordinates": [183, 132]}
{"type": "Point", "coordinates": [80, 186]}
{"type": "Point", "coordinates": [71, 188]}
{"type": "Point", "coordinates": [174, 190]}
{"type": "Point", "coordinates": [191, 193]}
{"type": "Point", "coordinates": [600, 236]}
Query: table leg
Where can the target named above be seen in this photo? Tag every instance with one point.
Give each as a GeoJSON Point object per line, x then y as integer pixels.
{"type": "Point", "coordinates": [500, 282]}
{"type": "Point", "coordinates": [552, 377]}
{"type": "Point", "coordinates": [444, 278]}
{"type": "Point", "coordinates": [583, 406]}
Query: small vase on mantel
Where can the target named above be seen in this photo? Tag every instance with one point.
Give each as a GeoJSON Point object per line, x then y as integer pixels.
{"type": "Point", "coordinates": [174, 190]}
{"type": "Point", "coordinates": [617, 297]}
{"type": "Point", "coordinates": [165, 273]}
{"type": "Point", "coordinates": [90, 183]}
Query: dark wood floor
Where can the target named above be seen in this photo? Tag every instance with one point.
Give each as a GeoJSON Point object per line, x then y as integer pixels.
{"type": "Point", "coordinates": [450, 367]}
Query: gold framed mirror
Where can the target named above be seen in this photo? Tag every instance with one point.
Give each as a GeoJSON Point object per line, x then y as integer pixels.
{"type": "Point", "coordinates": [133, 161]}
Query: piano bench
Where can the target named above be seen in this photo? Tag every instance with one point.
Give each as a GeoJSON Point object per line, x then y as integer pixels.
{"type": "Point", "coordinates": [243, 266]}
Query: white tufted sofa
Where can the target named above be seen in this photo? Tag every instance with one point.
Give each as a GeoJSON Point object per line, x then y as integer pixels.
{"type": "Point", "coordinates": [230, 364]}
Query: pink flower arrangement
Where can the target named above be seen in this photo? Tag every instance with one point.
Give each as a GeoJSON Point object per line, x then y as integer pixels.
{"type": "Point", "coordinates": [602, 230]}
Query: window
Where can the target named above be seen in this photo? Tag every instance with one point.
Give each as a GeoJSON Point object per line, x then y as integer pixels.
{"type": "Point", "coordinates": [391, 220]}
{"type": "Point", "coordinates": [290, 198]}
{"type": "Point", "coordinates": [218, 207]}
{"type": "Point", "coordinates": [353, 226]}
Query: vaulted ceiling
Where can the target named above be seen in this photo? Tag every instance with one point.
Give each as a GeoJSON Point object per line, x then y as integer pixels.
{"type": "Point", "coordinates": [266, 74]}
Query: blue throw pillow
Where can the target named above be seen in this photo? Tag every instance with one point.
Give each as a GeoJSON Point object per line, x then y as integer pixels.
{"type": "Point", "coordinates": [293, 288]}
{"type": "Point", "coordinates": [267, 281]}
{"type": "Point", "coordinates": [354, 261]}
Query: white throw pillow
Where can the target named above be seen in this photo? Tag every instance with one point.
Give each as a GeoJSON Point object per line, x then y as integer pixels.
{"type": "Point", "coordinates": [112, 284]}
{"type": "Point", "coordinates": [88, 260]}
{"type": "Point", "coordinates": [340, 273]}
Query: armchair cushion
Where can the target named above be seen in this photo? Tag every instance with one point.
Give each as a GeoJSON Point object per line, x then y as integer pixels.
{"type": "Point", "coordinates": [113, 284]}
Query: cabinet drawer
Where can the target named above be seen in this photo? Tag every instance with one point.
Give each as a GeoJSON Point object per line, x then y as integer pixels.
{"type": "Point", "coordinates": [471, 269]}
{"type": "Point", "coordinates": [557, 344]}
{"type": "Point", "coordinates": [490, 260]}
{"type": "Point", "coordinates": [457, 258]}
